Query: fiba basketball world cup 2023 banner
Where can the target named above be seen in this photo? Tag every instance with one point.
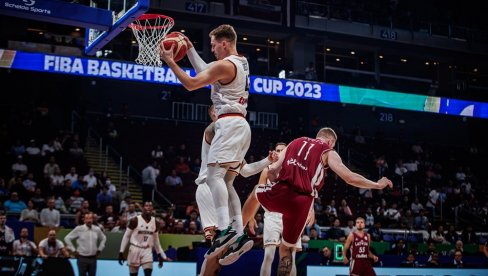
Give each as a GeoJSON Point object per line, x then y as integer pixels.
{"type": "Point", "coordinates": [298, 89]}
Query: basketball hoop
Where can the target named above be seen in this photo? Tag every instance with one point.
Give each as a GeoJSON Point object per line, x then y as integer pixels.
{"type": "Point", "coordinates": [149, 30]}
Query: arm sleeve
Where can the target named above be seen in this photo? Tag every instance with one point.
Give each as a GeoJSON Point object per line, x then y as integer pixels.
{"type": "Point", "coordinates": [254, 168]}
{"type": "Point", "coordinates": [125, 239]}
{"type": "Point", "coordinates": [157, 245]}
{"type": "Point", "coordinates": [103, 239]}
{"type": "Point", "coordinates": [196, 61]}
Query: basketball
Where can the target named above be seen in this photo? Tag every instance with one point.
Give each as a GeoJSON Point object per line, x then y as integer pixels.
{"type": "Point", "coordinates": [180, 48]}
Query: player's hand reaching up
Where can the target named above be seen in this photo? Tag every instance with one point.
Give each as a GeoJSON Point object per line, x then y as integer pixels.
{"type": "Point", "coordinates": [121, 258]}
{"type": "Point", "coordinates": [273, 156]}
{"type": "Point", "coordinates": [187, 40]}
{"type": "Point", "coordinates": [385, 182]}
{"type": "Point", "coordinates": [167, 54]}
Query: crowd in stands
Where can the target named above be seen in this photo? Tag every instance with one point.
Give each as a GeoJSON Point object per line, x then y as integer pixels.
{"type": "Point", "coordinates": [439, 197]}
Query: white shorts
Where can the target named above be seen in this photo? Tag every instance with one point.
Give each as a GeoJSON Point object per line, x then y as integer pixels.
{"type": "Point", "coordinates": [206, 206]}
{"type": "Point", "coordinates": [273, 227]}
{"type": "Point", "coordinates": [231, 141]}
{"type": "Point", "coordinates": [138, 256]}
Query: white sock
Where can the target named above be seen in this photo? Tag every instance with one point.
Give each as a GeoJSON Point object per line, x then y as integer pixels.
{"type": "Point", "coordinates": [236, 225]}
{"type": "Point", "coordinates": [223, 217]}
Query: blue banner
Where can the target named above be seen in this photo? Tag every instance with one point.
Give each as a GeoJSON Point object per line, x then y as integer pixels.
{"type": "Point", "coordinates": [296, 89]}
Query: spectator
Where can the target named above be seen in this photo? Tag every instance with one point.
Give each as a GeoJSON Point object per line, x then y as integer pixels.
{"type": "Point", "coordinates": [149, 175]}
{"type": "Point", "coordinates": [14, 204]}
{"type": "Point", "coordinates": [173, 179]}
{"type": "Point", "coordinates": [7, 236]}
{"type": "Point", "coordinates": [50, 217]}
{"type": "Point", "coordinates": [327, 258]}
{"type": "Point", "coordinates": [104, 198]}
{"type": "Point", "coordinates": [72, 175]}
{"type": "Point", "coordinates": [80, 214]}
{"type": "Point", "coordinates": [19, 166]}
{"type": "Point", "coordinates": [23, 246]}
{"type": "Point", "coordinates": [468, 236]}
{"type": "Point", "coordinates": [33, 149]}
{"type": "Point", "coordinates": [29, 184]}
{"type": "Point", "coordinates": [433, 260]}
{"type": "Point", "coordinates": [459, 246]}
{"type": "Point", "coordinates": [50, 167]}
{"type": "Point", "coordinates": [38, 200]}
{"type": "Point", "coordinates": [182, 166]}
{"type": "Point", "coordinates": [48, 148]}
{"type": "Point", "coordinates": [375, 232]}
{"type": "Point", "coordinates": [29, 214]}
{"type": "Point", "coordinates": [416, 206]}
{"type": "Point", "coordinates": [452, 236]}
{"type": "Point", "coordinates": [457, 261]}
{"type": "Point", "coordinates": [335, 232]}
{"type": "Point", "coordinates": [157, 154]}
{"type": "Point", "coordinates": [438, 235]}
{"type": "Point", "coordinates": [410, 261]}
{"type": "Point", "coordinates": [18, 148]}
{"type": "Point", "coordinates": [52, 247]}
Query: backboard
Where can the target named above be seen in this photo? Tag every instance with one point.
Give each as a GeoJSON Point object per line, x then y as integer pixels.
{"type": "Point", "coordinates": [123, 12]}
{"type": "Point", "coordinates": [102, 19]}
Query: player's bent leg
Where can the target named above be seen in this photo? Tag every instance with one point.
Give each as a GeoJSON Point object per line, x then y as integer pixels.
{"type": "Point", "coordinates": [269, 253]}
{"type": "Point", "coordinates": [147, 272]}
{"type": "Point", "coordinates": [294, 267]}
{"type": "Point", "coordinates": [286, 261]}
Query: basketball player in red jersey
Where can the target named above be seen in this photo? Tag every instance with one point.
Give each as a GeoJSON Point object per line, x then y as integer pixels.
{"type": "Point", "coordinates": [296, 178]}
{"type": "Point", "coordinates": [358, 242]}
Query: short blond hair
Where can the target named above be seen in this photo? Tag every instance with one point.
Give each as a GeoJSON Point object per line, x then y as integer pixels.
{"type": "Point", "coordinates": [224, 32]}
{"type": "Point", "coordinates": [327, 132]}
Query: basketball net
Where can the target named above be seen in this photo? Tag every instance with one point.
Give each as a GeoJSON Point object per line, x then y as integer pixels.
{"type": "Point", "coordinates": [149, 30]}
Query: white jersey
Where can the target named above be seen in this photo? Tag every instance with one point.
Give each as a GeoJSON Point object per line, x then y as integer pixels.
{"type": "Point", "coordinates": [142, 236]}
{"type": "Point", "coordinates": [232, 97]}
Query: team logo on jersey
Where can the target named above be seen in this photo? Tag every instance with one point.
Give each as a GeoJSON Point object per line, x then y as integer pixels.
{"type": "Point", "coordinates": [294, 162]}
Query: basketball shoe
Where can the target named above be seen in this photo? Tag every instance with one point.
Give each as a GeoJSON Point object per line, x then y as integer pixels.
{"type": "Point", "coordinates": [221, 240]}
{"type": "Point", "coordinates": [242, 244]}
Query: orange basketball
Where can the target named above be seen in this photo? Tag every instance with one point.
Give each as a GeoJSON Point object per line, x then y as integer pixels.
{"type": "Point", "coordinates": [179, 41]}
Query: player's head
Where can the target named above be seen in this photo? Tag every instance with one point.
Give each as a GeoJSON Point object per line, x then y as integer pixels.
{"type": "Point", "coordinates": [360, 223]}
{"type": "Point", "coordinates": [223, 40]}
{"type": "Point", "coordinates": [280, 146]}
{"type": "Point", "coordinates": [148, 207]}
{"type": "Point", "coordinates": [328, 135]}
{"type": "Point", "coordinates": [211, 113]}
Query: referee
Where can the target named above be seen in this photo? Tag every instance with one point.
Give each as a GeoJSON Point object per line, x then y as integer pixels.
{"type": "Point", "coordinates": [90, 242]}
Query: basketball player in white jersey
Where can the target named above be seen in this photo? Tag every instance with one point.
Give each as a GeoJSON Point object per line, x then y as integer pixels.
{"type": "Point", "coordinates": [143, 235]}
{"type": "Point", "coordinates": [229, 79]}
{"type": "Point", "coordinates": [206, 206]}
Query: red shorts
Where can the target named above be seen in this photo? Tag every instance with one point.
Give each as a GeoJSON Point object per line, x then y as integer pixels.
{"type": "Point", "coordinates": [361, 267]}
{"type": "Point", "coordinates": [293, 206]}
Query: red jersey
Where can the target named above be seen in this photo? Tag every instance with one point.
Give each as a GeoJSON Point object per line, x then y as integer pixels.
{"type": "Point", "coordinates": [360, 246]}
{"type": "Point", "coordinates": [302, 167]}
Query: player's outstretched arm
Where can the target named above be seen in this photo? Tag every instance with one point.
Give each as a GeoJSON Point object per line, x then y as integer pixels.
{"type": "Point", "coordinates": [219, 70]}
{"type": "Point", "coordinates": [256, 167]}
{"type": "Point", "coordinates": [335, 163]}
